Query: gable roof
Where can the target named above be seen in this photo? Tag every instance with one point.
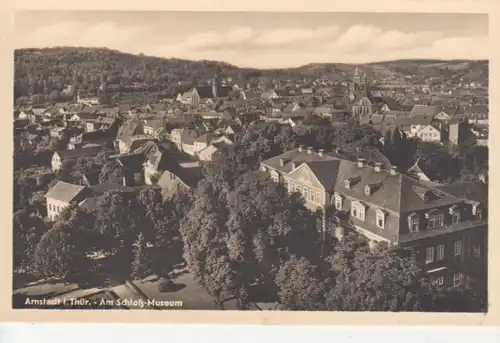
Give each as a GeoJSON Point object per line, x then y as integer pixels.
{"type": "Point", "coordinates": [80, 152]}
{"type": "Point", "coordinates": [424, 110]}
{"type": "Point", "coordinates": [64, 191]}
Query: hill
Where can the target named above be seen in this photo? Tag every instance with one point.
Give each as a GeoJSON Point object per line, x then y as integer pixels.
{"type": "Point", "coordinates": [49, 70]}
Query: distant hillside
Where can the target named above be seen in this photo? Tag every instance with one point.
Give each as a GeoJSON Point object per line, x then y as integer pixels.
{"type": "Point", "coordinates": [50, 70]}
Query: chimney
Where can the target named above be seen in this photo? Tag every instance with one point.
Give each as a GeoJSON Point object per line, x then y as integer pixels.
{"type": "Point", "coordinates": [309, 150]}
{"type": "Point", "coordinates": [320, 152]}
{"type": "Point", "coordinates": [293, 165]}
{"type": "Point", "coordinates": [361, 162]}
{"type": "Point", "coordinates": [378, 167]}
{"type": "Point", "coordinates": [125, 181]}
{"type": "Point", "coordinates": [301, 147]}
{"type": "Point", "coordinates": [393, 170]}
{"type": "Point", "coordinates": [282, 162]}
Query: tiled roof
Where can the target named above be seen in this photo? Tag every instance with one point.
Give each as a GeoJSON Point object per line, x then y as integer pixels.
{"type": "Point", "coordinates": [424, 110]}
{"type": "Point", "coordinates": [130, 128]}
{"type": "Point", "coordinates": [397, 193]}
{"type": "Point", "coordinates": [471, 190]}
{"type": "Point", "coordinates": [64, 191]}
{"type": "Point", "coordinates": [132, 162]}
{"type": "Point", "coordinates": [75, 153]}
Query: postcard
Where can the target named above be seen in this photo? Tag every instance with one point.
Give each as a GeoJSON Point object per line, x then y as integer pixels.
{"type": "Point", "coordinates": [251, 164]}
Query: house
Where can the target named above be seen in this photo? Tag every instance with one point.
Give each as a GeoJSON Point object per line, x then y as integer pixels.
{"type": "Point", "coordinates": [154, 127]}
{"type": "Point", "coordinates": [268, 96]}
{"type": "Point", "coordinates": [130, 128]}
{"type": "Point", "coordinates": [154, 166]}
{"type": "Point", "coordinates": [63, 194]}
{"type": "Point", "coordinates": [103, 138]}
{"type": "Point", "coordinates": [127, 144]}
{"type": "Point", "coordinates": [181, 175]}
{"type": "Point", "coordinates": [57, 132]}
{"type": "Point", "coordinates": [293, 120]}
{"type": "Point", "coordinates": [447, 232]}
{"type": "Point", "coordinates": [430, 133]}
{"type": "Point", "coordinates": [106, 124]}
{"type": "Point", "coordinates": [59, 157]}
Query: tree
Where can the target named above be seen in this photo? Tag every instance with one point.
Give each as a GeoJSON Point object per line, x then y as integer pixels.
{"type": "Point", "coordinates": [301, 286]}
{"type": "Point", "coordinates": [62, 251]}
{"type": "Point", "coordinates": [140, 264]}
{"type": "Point", "coordinates": [111, 171]}
{"type": "Point", "coordinates": [28, 230]}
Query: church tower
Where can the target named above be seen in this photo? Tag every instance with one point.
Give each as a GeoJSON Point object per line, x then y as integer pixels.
{"type": "Point", "coordinates": [215, 86]}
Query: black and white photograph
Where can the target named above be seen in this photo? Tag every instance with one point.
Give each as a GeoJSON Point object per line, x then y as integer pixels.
{"type": "Point", "coordinates": [250, 161]}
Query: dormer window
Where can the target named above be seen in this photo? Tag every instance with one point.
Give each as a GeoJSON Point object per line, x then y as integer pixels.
{"type": "Point", "coordinates": [263, 168]}
{"type": "Point", "coordinates": [358, 210]}
{"type": "Point", "coordinates": [435, 219]}
{"type": "Point", "coordinates": [347, 183]}
{"type": "Point", "coordinates": [381, 216]}
{"type": "Point", "coordinates": [338, 201]}
{"type": "Point", "coordinates": [455, 214]}
{"type": "Point", "coordinates": [414, 222]}
{"type": "Point", "coordinates": [367, 190]}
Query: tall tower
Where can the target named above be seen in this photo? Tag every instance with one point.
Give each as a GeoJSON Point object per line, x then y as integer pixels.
{"type": "Point", "coordinates": [357, 76]}
{"type": "Point", "coordinates": [215, 86]}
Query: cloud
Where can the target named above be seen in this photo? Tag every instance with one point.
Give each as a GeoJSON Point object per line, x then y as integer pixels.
{"type": "Point", "coordinates": [271, 48]}
{"type": "Point", "coordinates": [290, 36]}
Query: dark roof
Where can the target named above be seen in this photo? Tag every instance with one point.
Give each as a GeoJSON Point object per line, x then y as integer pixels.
{"type": "Point", "coordinates": [470, 190]}
{"type": "Point", "coordinates": [424, 110]}
{"type": "Point", "coordinates": [159, 159]}
{"type": "Point", "coordinates": [92, 176]}
{"type": "Point", "coordinates": [224, 91]}
{"type": "Point", "coordinates": [108, 187]}
{"type": "Point", "coordinates": [132, 162]}
{"type": "Point", "coordinates": [130, 128]}
{"type": "Point", "coordinates": [75, 153]}
{"type": "Point", "coordinates": [205, 92]}
{"type": "Point", "coordinates": [476, 109]}
{"type": "Point", "coordinates": [64, 191]}
{"type": "Point", "coordinates": [397, 193]}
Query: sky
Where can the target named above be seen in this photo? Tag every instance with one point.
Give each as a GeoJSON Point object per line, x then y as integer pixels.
{"type": "Point", "coordinates": [262, 39]}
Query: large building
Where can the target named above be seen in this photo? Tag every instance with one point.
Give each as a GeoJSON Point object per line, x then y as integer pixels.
{"type": "Point", "coordinates": [448, 230]}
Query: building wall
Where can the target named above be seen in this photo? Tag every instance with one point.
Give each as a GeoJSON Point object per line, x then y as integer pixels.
{"type": "Point", "coordinates": [55, 207]}
{"type": "Point", "coordinates": [56, 162]}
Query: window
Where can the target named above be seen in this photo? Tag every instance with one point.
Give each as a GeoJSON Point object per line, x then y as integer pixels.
{"type": "Point", "coordinates": [457, 248]}
{"type": "Point", "coordinates": [380, 219]}
{"type": "Point", "coordinates": [306, 194]}
{"type": "Point", "coordinates": [313, 198]}
{"type": "Point", "coordinates": [435, 221]}
{"type": "Point", "coordinates": [429, 256]}
{"type": "Point", "coordinates": [338, 202]}
{"type": "Point", "coordinates": [479, 214]}
{"type": "Point", "coordinates": [458, 279]}
{"type": "Point", "coordinates": [455, 218]}
{"type": "Point", "coordinates": [414, 223]}
{"type": "Point", "coordinates": [439, 281]}
{"type": "Point", "coordinates": [440, 252]}
{"type": "Point", "coordinates": [358, 211]}
{"type": "Point", "coordinates": [367, 190]}
{"type": "Point", "coordinates": [286, 184]}
{"type": "Point", "coordinates": [347, 184]}
{"type": "Point", "coordinates": [274, 176]}
{"type": "Point", "coordinates": [50, 207]}
{"type": "Point", "coordinates": [318, 198]}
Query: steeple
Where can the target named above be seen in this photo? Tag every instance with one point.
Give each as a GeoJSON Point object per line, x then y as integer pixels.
{"type": "Point", "coordinates": [357, 77]}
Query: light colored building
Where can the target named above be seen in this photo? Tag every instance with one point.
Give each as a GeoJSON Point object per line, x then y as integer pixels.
{"type": "Point", "coordinates": [61, 195]}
